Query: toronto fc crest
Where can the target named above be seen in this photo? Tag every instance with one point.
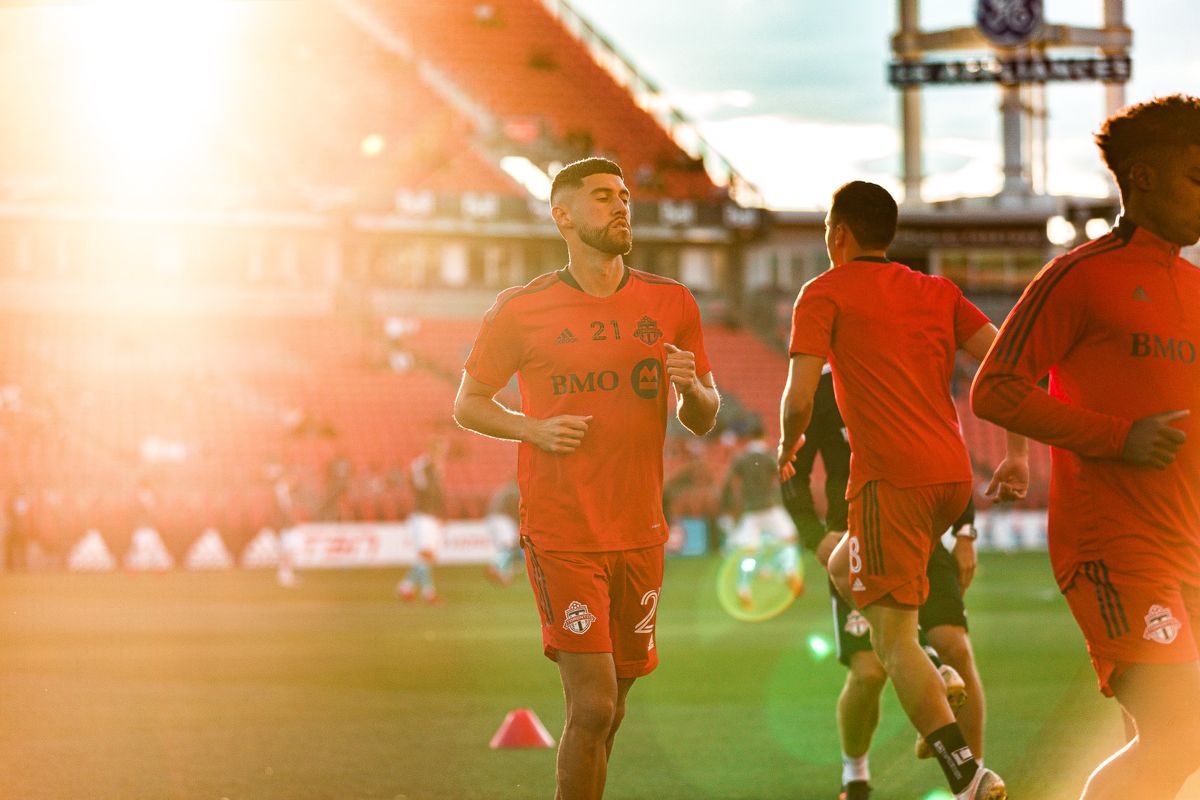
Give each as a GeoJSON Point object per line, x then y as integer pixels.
{"type": "Point", "coordinates": [1161, 625]}
{"type": "Point", "coordinates": [578, 618]}
{"type": "Point", "coordinates": [856, 624]}
{"type": "Point", "coordinates": [647, 331]}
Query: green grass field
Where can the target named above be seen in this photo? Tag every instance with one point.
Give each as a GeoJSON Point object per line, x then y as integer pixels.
{"type": "Point", "coordinates": [190, 685]}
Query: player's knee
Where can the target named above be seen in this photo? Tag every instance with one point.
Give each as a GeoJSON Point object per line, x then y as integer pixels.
{"type": "Point", "coordinates": [868, 674]}
{"type": "Point", "coordinates": [594, 715]}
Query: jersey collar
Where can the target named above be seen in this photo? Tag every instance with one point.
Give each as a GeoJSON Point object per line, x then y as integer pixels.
{"type": "Point", "coordinates": [1130, 233]}
{"type": "Point", "coordinates": [566, 277]}
{"type": "Point", "coordinates": [873, 259]}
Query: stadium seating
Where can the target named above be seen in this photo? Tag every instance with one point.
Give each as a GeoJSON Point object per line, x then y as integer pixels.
{"type": "Point", "coordinates": [94, 409]}
{"type": "Point", "coordinates": [521, 63]}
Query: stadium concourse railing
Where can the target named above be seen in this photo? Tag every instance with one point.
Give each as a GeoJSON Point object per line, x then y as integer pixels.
{"type": "Point", "coordinates": [530, 76]}
{"type": "Point", "coordinates": [650, 97]}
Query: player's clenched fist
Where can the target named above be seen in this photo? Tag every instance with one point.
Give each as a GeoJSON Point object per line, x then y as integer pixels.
{"type": "Point", "coordinates": [785, 460]}
{"type": "Point", "coordinates": [560, 435]}
{"type": "Point", "coordinates": [681, 368]}
{"type": "Point", "coordinates": [1153, 442]}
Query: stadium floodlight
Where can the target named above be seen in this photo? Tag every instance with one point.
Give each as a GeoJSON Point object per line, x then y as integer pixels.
{"type": "Point", "coordinates": [1096, 227]}
{"type": "Point", "coordinates": [529, 175]}
{"type": "Point", "coordinates": [1060, 231]}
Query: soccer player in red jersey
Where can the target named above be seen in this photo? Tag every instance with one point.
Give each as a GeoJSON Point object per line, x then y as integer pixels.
{"type": "Point", "coordinates": [594, 347]}
{"type": "Point", "coordinates": [890, 335]}
{"type": "Point", "coordinates": [1116, 325]}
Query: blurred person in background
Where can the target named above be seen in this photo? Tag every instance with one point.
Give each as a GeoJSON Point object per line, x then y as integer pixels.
{"type": "Point", "coordinates": [18, 530]}
{"type": "Point", "coordinates": [752, 494]}
{"type": "Point", "coordinates": [503, 523]}
{"type": "Point", "coordinates": [425, 523]}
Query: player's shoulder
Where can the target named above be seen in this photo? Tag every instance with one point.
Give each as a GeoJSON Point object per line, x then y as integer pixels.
{"type": "Point", "coordinates": [653, 279]}
{"type": "Point", "coordinates": [648, 284]}
{"type": "Point", "coordinates": [942, 282]}
{"type": "Point", "coordinates": [657, 283]}
{"type": "Point", "coordinates": [515, 296]}
{"type": "Point", "coordinates": [819, 283]}
{"type": "Point", "coordinates": [1096, 254]}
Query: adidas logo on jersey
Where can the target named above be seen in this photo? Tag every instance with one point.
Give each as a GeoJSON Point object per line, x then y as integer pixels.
{"type": "Point", "coordinates": [566, 337]}
{"type": "Point", "coordinates": [858, 585]}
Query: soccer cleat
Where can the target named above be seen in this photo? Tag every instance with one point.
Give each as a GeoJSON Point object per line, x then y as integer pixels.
{"type": "Point", "coordinates": [406, 592]}
{"type": "Point", "coordinates": [856, 790]}
{"type": "Point", "coordinates": [986, 785]}
{"type": "Point", "coordinates": [956, 687]}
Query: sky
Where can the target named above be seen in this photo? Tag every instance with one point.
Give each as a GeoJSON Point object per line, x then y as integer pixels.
{"type": "Point", "coordinates": [794, 92]}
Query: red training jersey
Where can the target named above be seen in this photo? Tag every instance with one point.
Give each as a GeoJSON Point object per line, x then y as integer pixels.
{"type": "Point", "coordinates": [574, 353]}
{"type": "Point", "coordinates": [1116, 324]}
{"type": "Point", "coordinates": [890, 335]}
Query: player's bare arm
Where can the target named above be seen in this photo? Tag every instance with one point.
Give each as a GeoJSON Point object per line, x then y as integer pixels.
{"type": "Point", "coordinates": [795, 409]}
{"type": "Point", "coordinates": [476, 409]}
{"type": "Point", "coordinates": [966, 559]}
{"type": "Point", "coordinates": [699, 400]}
{"type": "Point", "coordinates": [1010, 481]}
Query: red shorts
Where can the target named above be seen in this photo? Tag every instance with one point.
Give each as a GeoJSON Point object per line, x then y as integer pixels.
{"type": "Point", "coordinates": [599, 603]}
{"type": "Point", "coordinates": [1129, 620]}
{"type": "Point", "coordinates": [892, 534]}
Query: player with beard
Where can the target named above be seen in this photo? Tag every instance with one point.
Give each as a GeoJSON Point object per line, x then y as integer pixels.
{"type": "Point", "coordinates": [594, 346]}
{"type": "Point", "coordinates": [1116, 325]}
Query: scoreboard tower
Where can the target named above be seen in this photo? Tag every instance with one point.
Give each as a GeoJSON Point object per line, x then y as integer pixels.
{"type": "Point", "coordinates": [1015, 42]}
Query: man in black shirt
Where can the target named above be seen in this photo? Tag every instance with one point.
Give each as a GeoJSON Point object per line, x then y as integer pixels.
{"type": "Point", "coordinates": [943, 618]}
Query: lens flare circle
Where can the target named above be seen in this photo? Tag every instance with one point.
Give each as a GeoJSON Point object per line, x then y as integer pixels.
{"type": "Point", "coordinates": [752, 585]}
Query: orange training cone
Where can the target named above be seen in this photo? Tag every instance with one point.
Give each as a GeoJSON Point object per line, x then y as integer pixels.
{"type": "Point", "coordinates": [521, 728]}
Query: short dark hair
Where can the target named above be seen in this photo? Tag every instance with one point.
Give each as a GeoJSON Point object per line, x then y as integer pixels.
{"type": "Point", "coordinates": [1131, 133]}
{"type": "Point", "coordinates": [571, 176]}
{"type": "Point", "coordinates": [868, 211]}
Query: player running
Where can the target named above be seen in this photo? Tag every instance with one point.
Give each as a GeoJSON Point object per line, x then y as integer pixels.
{"type": "Point", "coordinates": [890, 335]}
{"type": "Point", "coordinates": [425, 522]}
{"type": "Point", "coordinates": [594, 346]}
{"type": "Point", "coordinates": [1116, 325]}
{"type": "Point", "coordinates": [942, 618]}
{"type": "Point", "coordinates": [763, 526]}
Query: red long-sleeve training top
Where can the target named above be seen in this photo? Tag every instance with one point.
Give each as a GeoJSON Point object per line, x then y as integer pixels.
{"type": "Point", "coordinates": [1116, 324]}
